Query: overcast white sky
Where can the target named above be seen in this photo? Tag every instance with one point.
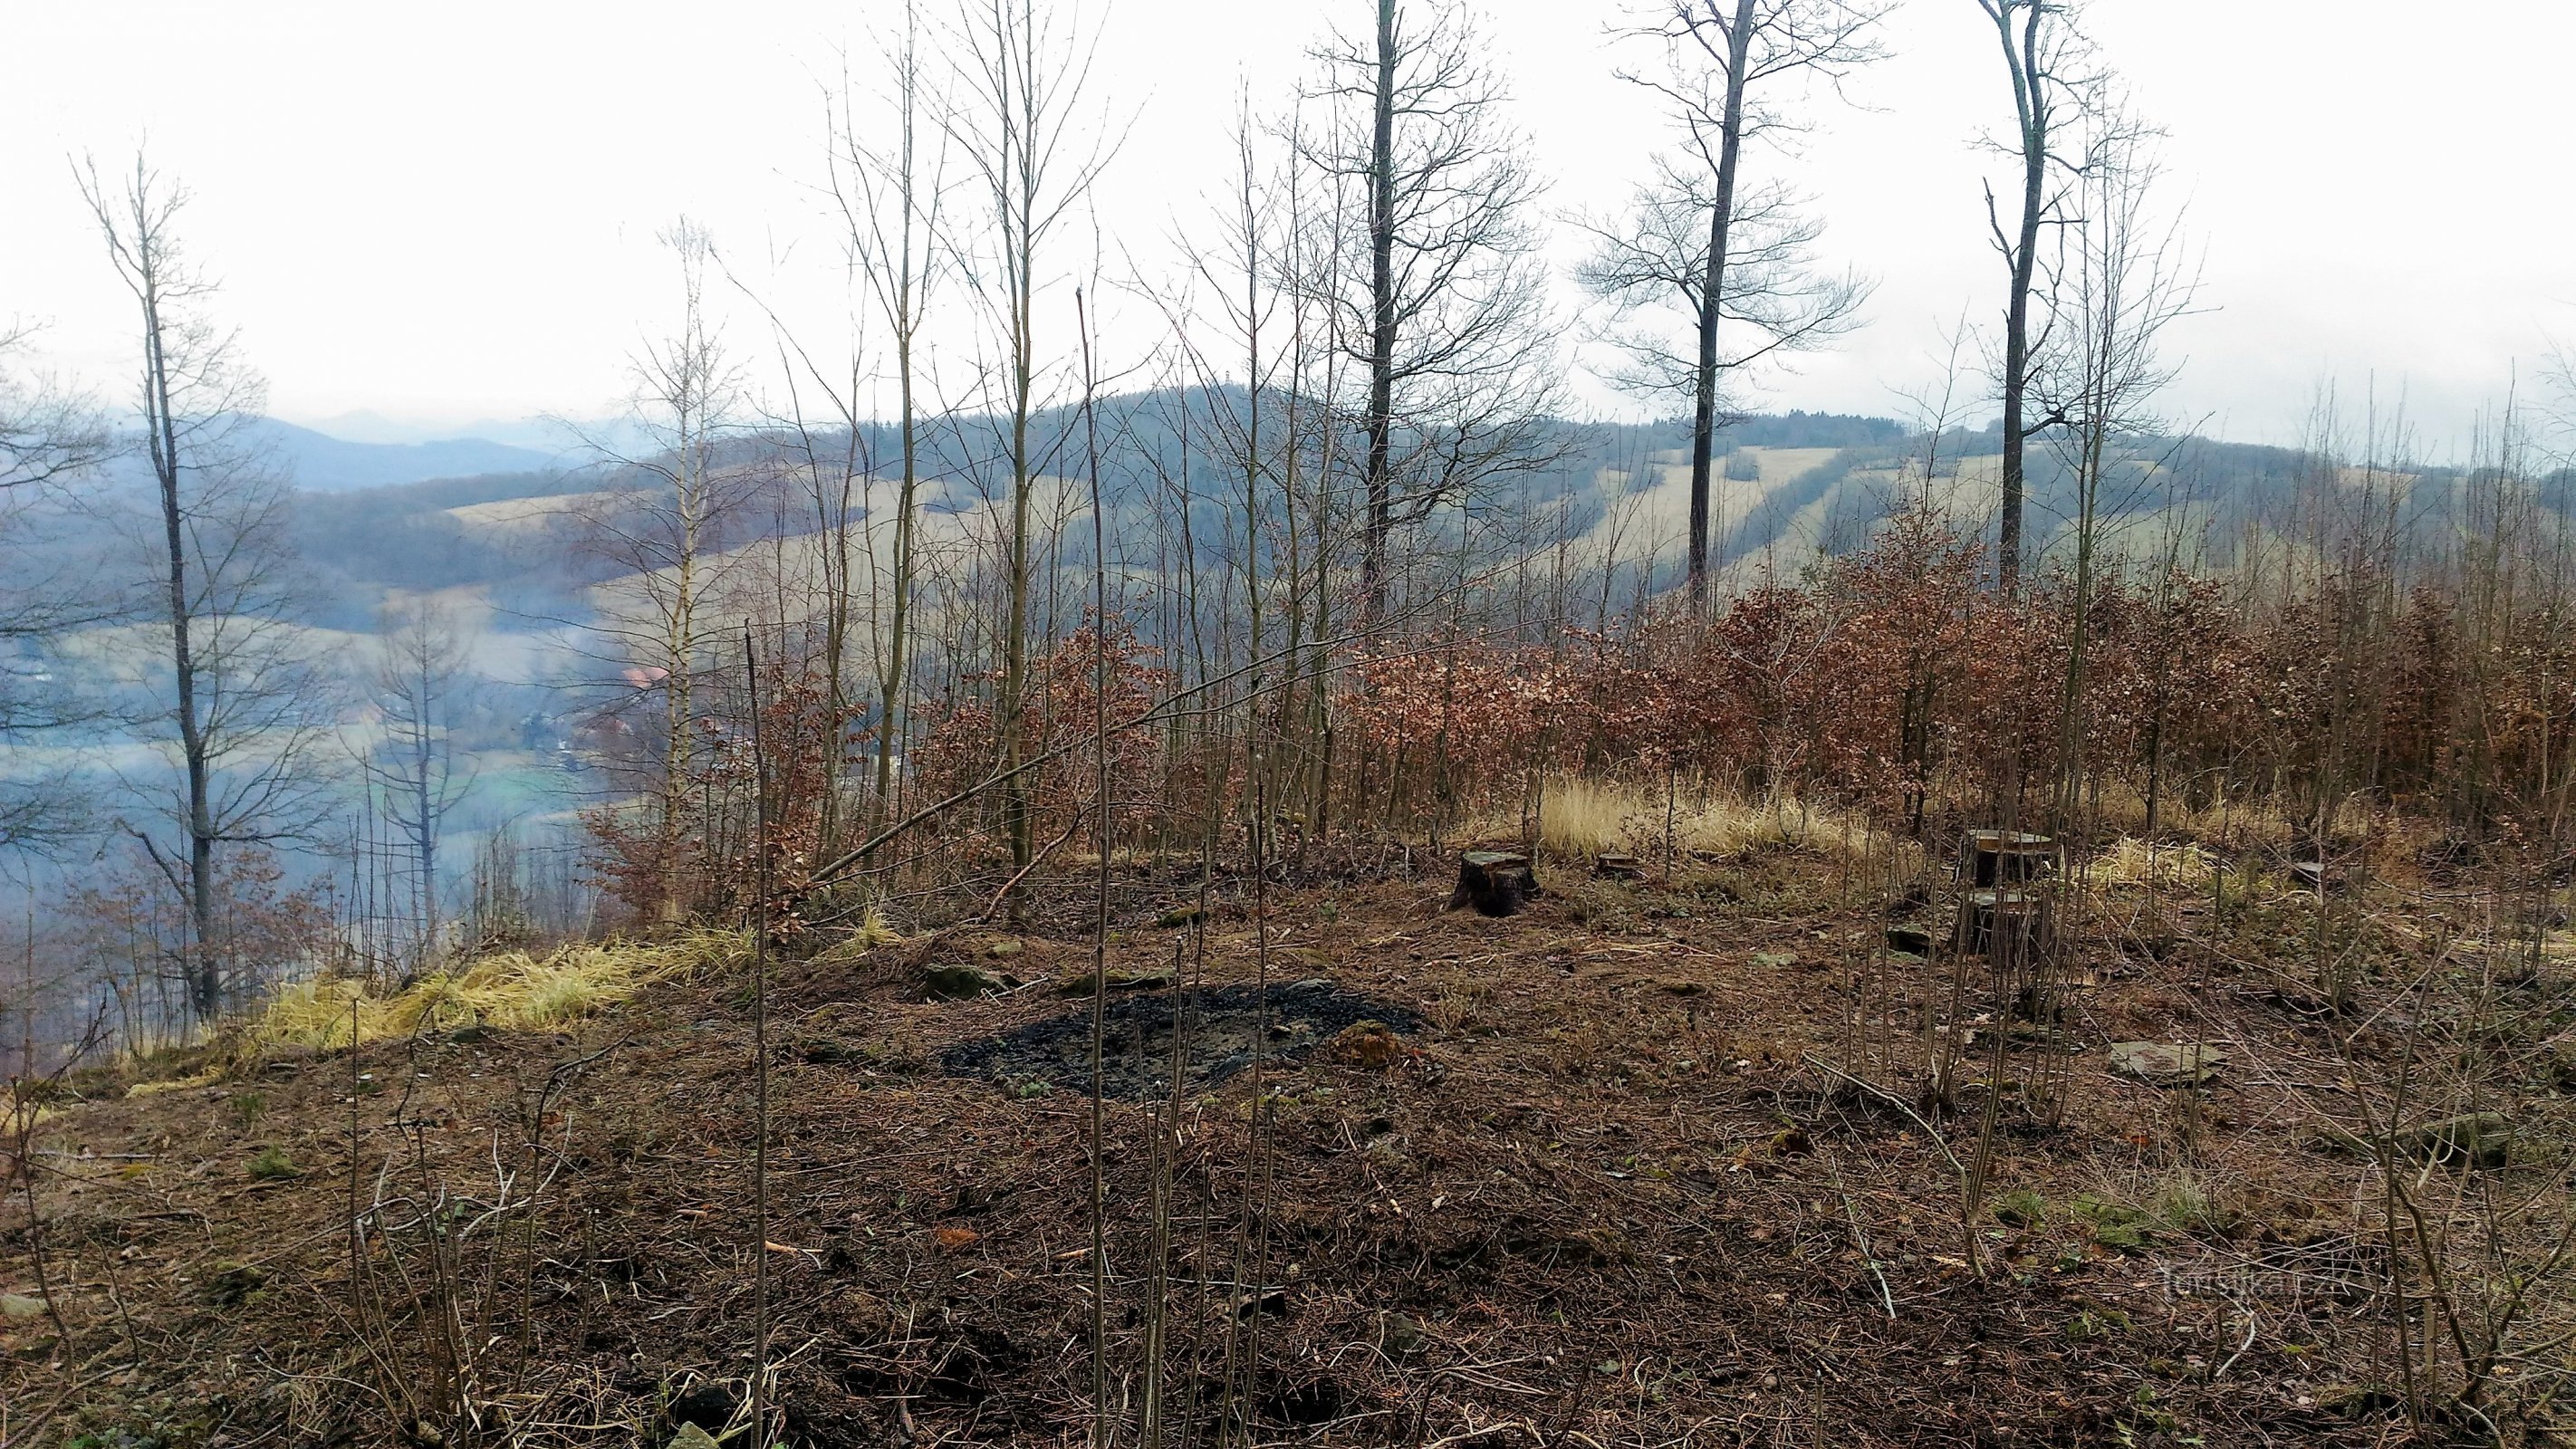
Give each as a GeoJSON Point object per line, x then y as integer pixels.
{"type": "Point", "coordinates": [443, 213]}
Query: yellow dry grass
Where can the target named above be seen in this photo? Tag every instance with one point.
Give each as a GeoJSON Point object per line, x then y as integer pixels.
{"type": "Point", "coordinates": [175, 1084]}
{"type": "Point", "coordinates": [872, 932]}
{"type": "Point", "coordinates": [2129, 861]}
{"type": "Point", "coordinates": [1579, 819]}
{"type": "Point", "coordinates": [510, 989]}
{"type": "Point", "coordinates": [2236, 824]}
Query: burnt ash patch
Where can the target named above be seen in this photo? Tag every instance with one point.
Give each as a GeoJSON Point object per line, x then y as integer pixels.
{"type": "Point", "coordinates": [1221, 1030]}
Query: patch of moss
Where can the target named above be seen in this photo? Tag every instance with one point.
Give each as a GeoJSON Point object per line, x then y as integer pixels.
{"type": "Point", "coordinates": [2020, 1208]}
{"type": "Point", "coordinates": [233, 1284]}
{"type": "Point", "coordinates": [2116, 1225]}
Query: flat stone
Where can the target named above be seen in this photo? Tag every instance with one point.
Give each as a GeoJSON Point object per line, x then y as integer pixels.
{"type": "Point", "coordinates": [2167, 1064]}
{"type": "Point", "coordinates": [1617, 866]}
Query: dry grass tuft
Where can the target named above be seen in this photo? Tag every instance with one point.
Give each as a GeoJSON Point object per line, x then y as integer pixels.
{"type": "Point", "coordinates": [2129, 861]}
{"type": "Point", "coordinates": [175, 1084]}
{"type": "Point", "coordinates": [510, 989]}
{"type": "Point", "coordinates": [1580, 819]}
{"type": "Point", "coordinates": [872, 932]}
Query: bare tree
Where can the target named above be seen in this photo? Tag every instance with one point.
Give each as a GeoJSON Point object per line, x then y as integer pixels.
{"type": "Point", "coordinates": [1015, 115]}
{"type": "Point", "coordinates": [2052, 93]}
{"type": "Point", "coordinates": [1440, 297]}
{"type": "Point", "coordinates": [1719, 56]}
{"type": "Point", "coordinates": [1653, 266]}
{"type": "Point", "coordinates": [890, 201]}
{"type": "Point", "coordinates": [2126, 281]}
{"type": "Point", "coordinates": [419, 683]}
{"type": "Point", "coordinates": [1249, 425]}
{"type": "Point", "coordinates": [244, 703]}
{"type": "Point", "coordinates": [666, 536]}
{"type": "Point", "coordinates": [48, 433]}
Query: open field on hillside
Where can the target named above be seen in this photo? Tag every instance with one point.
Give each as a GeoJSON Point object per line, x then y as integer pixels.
{"type": "Point", "coordinates": [520, 515]}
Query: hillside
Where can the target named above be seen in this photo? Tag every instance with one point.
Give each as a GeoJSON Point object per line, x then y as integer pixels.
{"type": "Point", "coordinates": [1793, 486]}
{"type": "Point", "coordinates": [1602, 1173]}
{"type": "Point", "coordinates": [321, 463]}
{"type": "Point", "coordinates": [517, 525]}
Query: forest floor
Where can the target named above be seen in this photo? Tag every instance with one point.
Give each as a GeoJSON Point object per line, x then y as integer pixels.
{"type": "Point", "coordinates": [1604, 1173]}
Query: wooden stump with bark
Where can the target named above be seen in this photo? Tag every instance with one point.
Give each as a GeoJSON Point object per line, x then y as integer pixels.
{"type": "Point", "coordinates": [1495, 882]}
{"type": "Point", "coordinates": [2009, 926]}
{"type": "Point", "coordinates": [1998, 858]}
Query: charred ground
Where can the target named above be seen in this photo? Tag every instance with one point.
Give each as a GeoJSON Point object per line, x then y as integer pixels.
{"type": "Point", "coordinates": [1651, 1164]}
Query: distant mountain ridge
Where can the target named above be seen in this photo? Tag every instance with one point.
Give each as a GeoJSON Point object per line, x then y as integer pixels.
{"type": "Point", "coordinates": [321, 463]}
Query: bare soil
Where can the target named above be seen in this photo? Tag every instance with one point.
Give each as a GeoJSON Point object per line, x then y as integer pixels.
{"type": "Point", "coordinates": [1613, 1184]}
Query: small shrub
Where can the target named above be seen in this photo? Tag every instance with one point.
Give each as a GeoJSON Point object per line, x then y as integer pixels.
{"type": "Point", "coordinates": [272, 1164]}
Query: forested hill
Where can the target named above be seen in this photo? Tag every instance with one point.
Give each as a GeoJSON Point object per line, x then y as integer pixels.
{"type": "Point", "coordinates": [1794, 485]}
{"type": "Point", "coordinates": [449, 532]}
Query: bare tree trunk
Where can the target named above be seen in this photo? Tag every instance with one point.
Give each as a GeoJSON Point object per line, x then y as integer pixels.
{"type": "Point", "coordinates": [1730, 147]}
{"type": "Point", "coordinates": [1380, 420]}
{"type": "Point", "coordinates": [1022, 83]}
{"type": "Point", "coordinates": [2032, 112]}
{"type": "Point", "coordinates": [204, 969]}
{"type": "Point", "coordinates": [138, 242]}
{"type": "Point", "coordinates": [890, 684]}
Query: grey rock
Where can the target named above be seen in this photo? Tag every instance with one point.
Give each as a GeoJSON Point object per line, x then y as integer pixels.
{"type": "Point", "coordinates": [2167, 1064]}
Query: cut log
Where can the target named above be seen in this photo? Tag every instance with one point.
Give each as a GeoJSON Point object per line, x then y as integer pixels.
{"type": "Point", "coordinates": [1612, 865]}
{"type": "Point", "coordinates": [1495, 882]}
{"type": "Point", "coordinates": [2009, 926]}
{"type": "Point", "coordinates": [2000, 857]}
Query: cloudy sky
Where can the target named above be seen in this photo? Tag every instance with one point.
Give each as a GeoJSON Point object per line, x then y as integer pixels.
{"type": "Point", "coordinates": [447, 213]}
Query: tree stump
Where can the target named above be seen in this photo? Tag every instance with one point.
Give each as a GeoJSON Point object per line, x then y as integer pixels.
{"type": "Point", "coordinates": [1999, 857]}
{"type": "Point", "coordinates": [2010, 927]}
{"type": "Point", "coordinates": [1495, 882]}
{"type": "Point", "coordinates": [1611, 865]}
